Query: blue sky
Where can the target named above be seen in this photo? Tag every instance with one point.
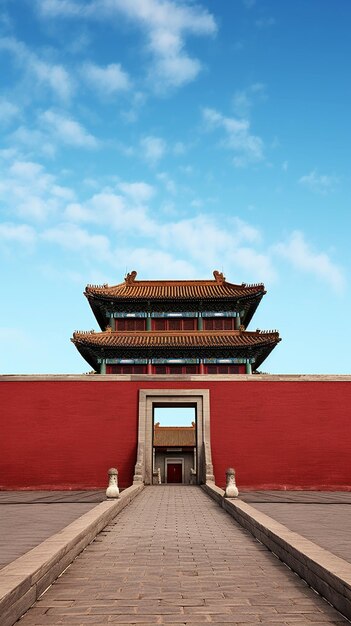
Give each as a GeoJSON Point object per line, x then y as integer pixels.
{"type": "Point", "coordinates": [175, 138]}
{"type": "Point", "coordinates": [174, 416]}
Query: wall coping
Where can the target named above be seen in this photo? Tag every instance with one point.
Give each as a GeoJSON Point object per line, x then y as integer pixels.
{"type": "Point", "coordinates": [233, 378]}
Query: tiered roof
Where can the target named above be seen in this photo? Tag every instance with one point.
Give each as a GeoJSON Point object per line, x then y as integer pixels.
{"type": "Point", "coordinates": [158, 295]}
{"type": "Point", "coordinates": [164, 297]}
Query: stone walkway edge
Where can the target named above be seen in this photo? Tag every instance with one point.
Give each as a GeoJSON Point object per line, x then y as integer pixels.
{"type": "Point", "coordinates": [328, 574]}
{"type": "Point", "coordinates": [26, 578]}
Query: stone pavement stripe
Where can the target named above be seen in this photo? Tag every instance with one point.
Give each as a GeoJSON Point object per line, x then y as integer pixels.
{"type": "Point", "coordinates": [296, 497]}
{"type": "Point", "coordinates": [325, 572]}
{"type": "Point", "coordinates": [52, 497]}
{"type": "Point", "coordinates": [23, 527]}
{"type": "Point", "coordinates": [29, 517]}
{"type": "Point", "coordinates": [26, 578]}
{"type": "Point", "coordinates": [327, 525]}
{"type": "Point", "coordinates": [197, 566]}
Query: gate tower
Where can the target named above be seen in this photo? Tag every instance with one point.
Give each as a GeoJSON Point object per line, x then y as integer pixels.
{"type": "Point", "coordinates": [175, 327]}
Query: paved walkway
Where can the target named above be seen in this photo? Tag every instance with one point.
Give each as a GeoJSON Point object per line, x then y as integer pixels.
{"type": "Point", "coordinates": [29, 517]}
{"type": "Point", "coordinates": [320, 516]}
{"type": "Point", "coordinates": [173, 556]}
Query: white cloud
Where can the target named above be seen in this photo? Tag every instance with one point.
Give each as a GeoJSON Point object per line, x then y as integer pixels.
{"type": "Point", "coordinates": [138, 192]}
{"type": "Point", "coordinates": [245, 232]}
{"type": "Point", "coordinates": [26, 169]}
{"type": "Point", "coordinates": [153, 149]}
{"type": "Point", "coordinates": [110, 209]}
{"type": "Point", "coordinates": [64, 193]}
{"type": "Point", "coordinates": [242, 102]}
{"type": "Point", "coordinates": [54, 75]}
{"type": "Point", "coordinates": [74, 238]}
{"type": "Point", "coordinates": [174, 71]}
{"type": "Point", "coordinates": [230, 243]}
{"type": "Point", "coordinates": [319, 183]}
{"type": "Point", "coordinates": [168, 182]}
{"type": "Point", "coordinates": [131, 115]}
{"type": "Point", "coordinates": [253, 262]}
{"type": "Point", "coordinates": [8, 111]}
{"type": "Point", "coordinates": [50, 74]}
{"type": "Point", "coordinates": [7, 154]}
{"type": "Point", "coordinates": [165, 23]}
{"type": "Point", "coordinates": [248, 147]}
{"type": "Point", "coordinates": [68, 131]}
{"type": "Point", "coordinates": [302, 257]}
{"type": "Point", "coordinates": [19, 233]}
{"type": "Point", "coordinates": [33, 140]}
{"type": "Point", "coordinates": [61, 8]}
{"type": "Point", "coordinates": [243, 99]}
{"type": "Point", "coordinates": [107, 80]}
{"type": "Point", "coordinates": [27, 190]}
{"type": "Point", "coordinates": [153, 262]}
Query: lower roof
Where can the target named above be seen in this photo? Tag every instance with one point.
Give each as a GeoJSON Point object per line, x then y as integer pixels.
{"type": "Point", "coordinates": [194, 338]}
{"type": "Point", "coordinates": [196, 344]}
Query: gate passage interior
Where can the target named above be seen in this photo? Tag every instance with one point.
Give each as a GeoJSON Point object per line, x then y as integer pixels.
{"type": "Point", "coordinates": [174, 444]}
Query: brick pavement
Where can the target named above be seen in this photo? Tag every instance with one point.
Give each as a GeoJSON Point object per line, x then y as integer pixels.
{"type": "Point", "coordinates": [322, 517]}
{"type": "Point", "coordinates": [27, 518]}
{"type": "Point", "coordinates": [174, 556]}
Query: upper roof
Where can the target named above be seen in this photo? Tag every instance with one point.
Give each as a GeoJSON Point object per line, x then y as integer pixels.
{"type": "Point", "coordinates": [174, 436]}
{"type": "Point", "coordinates": [132, 289]}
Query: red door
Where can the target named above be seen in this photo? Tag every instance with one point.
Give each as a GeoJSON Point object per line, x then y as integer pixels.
{"type": "Point", "coordinates": [174, 473]}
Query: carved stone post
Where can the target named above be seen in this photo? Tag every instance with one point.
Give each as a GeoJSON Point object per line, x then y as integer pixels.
{"type": "Point", "coordinates": [231, 490]}
{"type": "Point", "coordinates": [112, 490]}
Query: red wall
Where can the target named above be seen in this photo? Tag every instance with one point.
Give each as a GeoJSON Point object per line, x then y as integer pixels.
{"type": "Point", "coordinates": [66, 434]}
{"type": "Point", "coordinates": [283, 435]}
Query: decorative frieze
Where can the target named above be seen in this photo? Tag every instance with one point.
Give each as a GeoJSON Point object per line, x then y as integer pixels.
{"type": "Point", "coordinates": [228, 361]}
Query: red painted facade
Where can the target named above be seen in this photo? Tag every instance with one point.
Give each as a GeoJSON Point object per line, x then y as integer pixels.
{"type": "Point", "coordinates": [277, 434]}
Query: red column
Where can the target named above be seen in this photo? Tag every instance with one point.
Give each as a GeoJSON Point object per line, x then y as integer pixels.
{"type": "Point", "coordinates": [149, 367]}
{"type": "Point", "coordinates": [201, 368]}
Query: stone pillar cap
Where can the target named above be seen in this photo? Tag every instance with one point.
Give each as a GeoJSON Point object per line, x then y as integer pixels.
{"type": "Point", "coordinates": [230, 470]}
{"type": "Point", "coordinates": [112, 470]}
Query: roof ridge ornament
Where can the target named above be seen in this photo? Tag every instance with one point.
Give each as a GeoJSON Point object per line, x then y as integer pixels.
{"type": "Point", "coordinates": [218, 276]}
{"type": "Point", "coordinates": [130, 277]}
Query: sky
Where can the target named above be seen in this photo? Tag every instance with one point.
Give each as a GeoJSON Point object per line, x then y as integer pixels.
{"type": "Point", "coordinates": [174, 416]}
{"type": "Point", "coordinates": [175, 138]}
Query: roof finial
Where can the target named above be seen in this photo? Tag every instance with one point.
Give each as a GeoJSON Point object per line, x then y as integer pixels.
{"type": "Point", "coordinates": [130, 277]}
{"type": "Point", "coordinates": [219, 278]}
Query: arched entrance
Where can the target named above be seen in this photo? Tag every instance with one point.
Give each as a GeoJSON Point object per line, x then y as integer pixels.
{"type": "Point", "coordinates": [174, 444]}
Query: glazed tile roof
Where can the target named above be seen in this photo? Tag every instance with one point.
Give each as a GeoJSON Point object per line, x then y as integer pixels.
{"type": "Point", "coordinates": [174, 436]}
{"type": "Point", "coordinates": [132, 289]}
{"type": "Point", "coordinates": [163, 339]}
